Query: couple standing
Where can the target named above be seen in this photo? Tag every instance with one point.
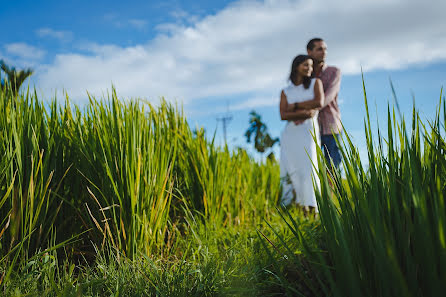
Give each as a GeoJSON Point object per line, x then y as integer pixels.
{"type": "Point", "coordinates": [310, 105]}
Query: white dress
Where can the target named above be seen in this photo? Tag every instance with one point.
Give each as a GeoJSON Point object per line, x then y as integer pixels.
{"type": "Point", "coordinates": [298, 158]}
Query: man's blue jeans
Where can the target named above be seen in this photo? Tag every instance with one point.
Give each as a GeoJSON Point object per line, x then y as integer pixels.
{"type": "Point", "coordinates": [331, 150]}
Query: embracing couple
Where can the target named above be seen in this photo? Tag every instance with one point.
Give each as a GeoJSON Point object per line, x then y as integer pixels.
{"type": "Point", "coordinates": [309, 105]}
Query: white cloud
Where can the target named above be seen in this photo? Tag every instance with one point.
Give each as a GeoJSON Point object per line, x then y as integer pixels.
{"type": "Point", "coordinates": [184, 17]}
{"type": "Point", "coordinates": [138, 24]}
{"type": "Point", "coordinates": [249, 45]}
{"type": "Point", "coordinates": [60, 35]}
{"type": "Point", "coordinates": [118, 22]}
{"type": "Point", "coordinates": [256, 102]}
{"type": "Point", "coordinates": [24, 51]}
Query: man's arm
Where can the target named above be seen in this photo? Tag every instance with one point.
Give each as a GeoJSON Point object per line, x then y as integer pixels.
{"type": "Point", "coordinates": [300, 114]}
{"type": "Point", "coordinates": [331, 90]}
{"type": "Point", "coordinates": [317, 101]}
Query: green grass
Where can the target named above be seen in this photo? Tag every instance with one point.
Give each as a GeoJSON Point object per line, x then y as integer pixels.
{"type": "Point", "coordinates": [383, 227]}
{"type": "Point", "coordinates": [123, 175]}
{"type": "Point", "coordinates": [225, 262]}
{"type": "Point", "coordinates": [122, 198]}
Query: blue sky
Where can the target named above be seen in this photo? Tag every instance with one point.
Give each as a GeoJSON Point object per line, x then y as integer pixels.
{"type": "Point", "coordinates": [215, 56]}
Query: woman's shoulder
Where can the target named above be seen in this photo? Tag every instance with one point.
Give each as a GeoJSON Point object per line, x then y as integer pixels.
{"type": "Point", "coordinates": [315, 80]}
{"type": "Point", "coordinates": [288, 88]}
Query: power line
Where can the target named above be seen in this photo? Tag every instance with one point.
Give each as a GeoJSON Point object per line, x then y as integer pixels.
{"type": "Point", "coordinates": [225, 122]}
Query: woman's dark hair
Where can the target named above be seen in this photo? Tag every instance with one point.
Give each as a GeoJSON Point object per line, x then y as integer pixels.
{"type": "Point", "coordinates": [296, 62]}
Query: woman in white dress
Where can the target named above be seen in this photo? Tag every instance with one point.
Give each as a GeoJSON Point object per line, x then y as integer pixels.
{"type": "Point", "coordinates": [299, 103]}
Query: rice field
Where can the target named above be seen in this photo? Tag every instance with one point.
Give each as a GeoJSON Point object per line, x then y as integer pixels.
{"type": "Point", "coordinates": [382, 227]}
{"type": "Point", "coordinates": [123, 198]}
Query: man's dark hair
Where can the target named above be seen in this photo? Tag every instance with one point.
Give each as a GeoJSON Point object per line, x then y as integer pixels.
{"type": "Point", "coordinates": [310, 44]}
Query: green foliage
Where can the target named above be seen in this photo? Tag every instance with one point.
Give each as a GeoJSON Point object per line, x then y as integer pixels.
{"type": "Point", "coordinates": [171, 214]}
{"type": "Point", "coordinates": [383, 228]}
{"type": "Point", "coordinates": [262, 140]}
{"type": "Point", "coordinates": [125, 174]}
{"type": "Point", "coordinates": [213, 262]}
{"type": "Point", "coordinates": [14, 78]}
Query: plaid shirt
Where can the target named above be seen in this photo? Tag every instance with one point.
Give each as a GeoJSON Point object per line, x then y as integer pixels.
{"type": "Point", "coordinates": [329, 114]}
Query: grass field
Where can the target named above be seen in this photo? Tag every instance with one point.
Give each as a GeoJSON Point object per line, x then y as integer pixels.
{"type": "Point", "coordinates": [123, 198]}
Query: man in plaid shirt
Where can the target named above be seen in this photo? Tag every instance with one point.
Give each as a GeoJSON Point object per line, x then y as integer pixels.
{"type": "Point", "coordinates": [329, 114]}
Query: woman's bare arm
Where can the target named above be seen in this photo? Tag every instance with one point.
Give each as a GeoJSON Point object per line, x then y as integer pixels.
{"type": "Point", "coordinates": [287, 115]}
{"type": "Point", "coordinates": [318, 99]}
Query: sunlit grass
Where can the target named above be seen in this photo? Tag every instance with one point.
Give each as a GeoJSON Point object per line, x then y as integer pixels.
{"type": "Point", "coordinates": [383, 226]}
{"type": "Point", "coordinates": [134, 176]}
{"type": "Point", "coordinates": [122, 198]}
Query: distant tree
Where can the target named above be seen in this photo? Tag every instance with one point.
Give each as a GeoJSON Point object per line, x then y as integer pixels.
{"type": "Point", "coordinates": [14, 78]}
{"type": "Point", "coordinates": [259, 132]}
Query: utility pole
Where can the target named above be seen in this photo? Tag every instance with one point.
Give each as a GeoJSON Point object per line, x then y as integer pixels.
{"type": "Point", "coordinates": [225, 122]}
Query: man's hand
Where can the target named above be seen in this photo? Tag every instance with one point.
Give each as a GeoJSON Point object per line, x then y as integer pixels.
{"type": "Point", "coordinates": [309, 113]}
